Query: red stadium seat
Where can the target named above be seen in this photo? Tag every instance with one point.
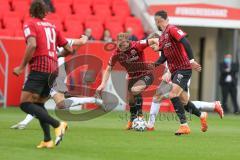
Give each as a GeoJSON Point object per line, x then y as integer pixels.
{"type": "Point", "coordinates": [121, 10]}
{"type": "Point", "coordinates": [103, 13]}
{"type": "Point", "coordinates": [97, 2]}
{"type": "Point", "coordinates": [53, 16]}
{"type": "Point", "coordinates": [117, 2]}
{"type": "Point", "coordinates": [100, 7]}
{"type": "Point", "coordinates": [82, 2]}
{"type": "Point", "coordinates": [12, 23]}
{"type": "Point", "coordinates": [19, 33]}
{"type": "Point", "coordinates": [114, 25]}
{"type": "Point", "coordinates": [82, 9]}
{"type": "Point", "coordinates": [63, 10]}
{"type": "Point", "coordinates": [74, 17]}
{"type": "Point", "coordinates": [7, 32]}
{"type": "Point", "coordinates": [136, 25]}
{"type": "Point", "coordinates": [74, 32]}
{"type": "Point", "coordinates": [114, 19]}
{"type": "Point", "coordinates": [20, 6]}
{"type": "Point", "coordinates": [68, 25]}
{"type": "Point", "coordinates": [93, 18]}
{"type": "Point", "coordinates": [97, 28]}
{"type": "Point", "coordinates": [19, 15]}
{"type": "Point", "coordinates": [57, 23]}
{"type": "Point", "coordinates": [69, 2]}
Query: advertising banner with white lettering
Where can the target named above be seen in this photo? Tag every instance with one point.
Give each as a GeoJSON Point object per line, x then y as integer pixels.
{"type": "Point", "coordinates": [200, 15]}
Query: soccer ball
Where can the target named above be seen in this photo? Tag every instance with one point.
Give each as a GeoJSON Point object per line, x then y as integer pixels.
{"type": "Point", "coordinates": [139, 124]}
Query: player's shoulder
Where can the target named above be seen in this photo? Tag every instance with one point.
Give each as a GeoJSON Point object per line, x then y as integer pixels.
{"type": "Point", "coordinates": [172, 27]}
{"type": "Point", "coordinates": [29, 21]}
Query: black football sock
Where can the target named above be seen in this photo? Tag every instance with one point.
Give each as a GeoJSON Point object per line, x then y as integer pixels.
{"type": "Point", "coordinates": [133, 111]}
{"type": "Point", "coordinates": [191, 108]}
{"type": "Point", "coordinates": [179, 110]}
{"type": "Point", "coordinates": [138, 104]}
{"type": "Point", "coordinates": [45, 126]}
{"type": "Point", "coordinates": [39, 113]}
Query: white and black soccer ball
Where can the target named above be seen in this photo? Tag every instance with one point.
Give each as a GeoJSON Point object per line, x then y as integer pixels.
{"type": "Point", "coordinates": [139, 124]}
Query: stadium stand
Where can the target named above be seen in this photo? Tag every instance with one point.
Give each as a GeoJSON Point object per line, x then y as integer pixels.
{"type": "Point", "coordinates": [95, 14]}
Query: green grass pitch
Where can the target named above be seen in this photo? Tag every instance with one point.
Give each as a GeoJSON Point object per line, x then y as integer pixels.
{"type": "Point", "coordinates": [105, 139]}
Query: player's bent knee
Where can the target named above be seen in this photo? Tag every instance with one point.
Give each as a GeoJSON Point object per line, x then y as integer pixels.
{"type": "Point", "coordinates": [137, 90]}
{"type": "Point", "coordinates": [60, 105]}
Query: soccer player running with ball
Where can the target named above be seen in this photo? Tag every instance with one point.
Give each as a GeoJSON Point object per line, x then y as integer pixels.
{"type": "Point", "coordinates": [166, 86]}
{"type": "Point", "coordinates": [42, 37]}
{"type": "Point", "coordinates": [176, 50]}
{"type": "Point", "coordinates": [130, 55]}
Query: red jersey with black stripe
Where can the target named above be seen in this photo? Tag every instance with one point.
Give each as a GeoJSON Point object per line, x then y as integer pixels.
{"type": "Point", "coordinates": [173, 49]}
{"type": "Point", "coordinates": [48, 38]}
{"type": "Point", "coordinates": [132, 60]}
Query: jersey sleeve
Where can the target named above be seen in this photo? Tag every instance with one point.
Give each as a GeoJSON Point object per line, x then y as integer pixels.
{"type": "Point", "coordinates": [177, 33]}
{"type": "Point", "coordinates": [142, 44]}
{"type": "Point", "coordinates": [29, 30]}
{"type": "Point", "coordinates": [61, 41]}
{"type": "Point", "coordinates": [113, 60]}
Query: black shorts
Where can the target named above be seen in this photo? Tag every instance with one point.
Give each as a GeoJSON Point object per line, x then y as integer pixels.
{"type": "Point", "coordinates": [39, 83]}
{"type": "Point", "coordinates": [181, 78]}
{"type": "Point", "coordinates": [148, 79]}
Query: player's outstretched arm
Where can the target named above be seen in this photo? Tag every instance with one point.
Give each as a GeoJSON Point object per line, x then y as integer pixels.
{"type": "Point", "coordinates": [105, 78]}
{"type": "Point", "coordinates": [66, 51]}
{"type": "Point", "coordinates": [81, 41]}
{"type": "Point", "coordinates": [75, 42]}
{"type": "Point", "coordinates": [153, 41]}
{"type": "Point", "coordinates": [30, 49]}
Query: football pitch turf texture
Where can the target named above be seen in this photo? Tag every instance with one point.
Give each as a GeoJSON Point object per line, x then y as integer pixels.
{"type": "Point", "coordinates": [104, 138]}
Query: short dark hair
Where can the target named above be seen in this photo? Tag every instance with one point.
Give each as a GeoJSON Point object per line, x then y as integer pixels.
{"type": "Point", "coordinates": [122, 36]}
{"type": "Point", "coordinates": [153, 35]}
{"type": "Point", "coordinates": [162, 13]}
{"type": "Point", "coordinates": [38, 9]}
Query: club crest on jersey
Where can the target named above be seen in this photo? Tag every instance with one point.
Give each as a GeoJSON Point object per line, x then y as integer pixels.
{"type": "Point", "coordinates": [133, 52]}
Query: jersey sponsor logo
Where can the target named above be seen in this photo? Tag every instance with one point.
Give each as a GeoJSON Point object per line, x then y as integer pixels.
{"type": "Point", "coordinates": [133, 52]}
{"type": "Point", "coordinates": [134, 56]}
{"type": "Point", "coordinates": [27, 32]}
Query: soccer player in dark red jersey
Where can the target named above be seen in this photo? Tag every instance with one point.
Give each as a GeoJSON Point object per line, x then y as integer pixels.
{"type": "Point", "coordinates": [130, 55]}
{"type": "Point", "coordinates": [42, 38]}
{"type": "Point", "coordinates": [176, 50]}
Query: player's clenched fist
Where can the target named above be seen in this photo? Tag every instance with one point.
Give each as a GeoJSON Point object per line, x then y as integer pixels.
{"type": "Point", "coordinates": [195, 66]}
{"type": "Point", "coordinates": [17, 70]}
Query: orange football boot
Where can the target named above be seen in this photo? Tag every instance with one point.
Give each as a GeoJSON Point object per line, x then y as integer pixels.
{"type": "Point", "coordinates": [48, 144]}
{"type": "Point", "coordinates": [183, 129]}
{"type": "Point", "coordinates": [218, 108]}
{"type": "Point", "coordinates": [129, 125]}
{"type": "Point", "coordinates": [203, 119]}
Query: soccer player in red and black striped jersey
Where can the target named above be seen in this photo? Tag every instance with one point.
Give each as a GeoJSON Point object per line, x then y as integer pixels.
{"type": "Point", "coordinates": [176, 50]}
{"type": "Point", "coordinates": [130, 55]}
{"type": "Point", "coordinates": [42, 38]}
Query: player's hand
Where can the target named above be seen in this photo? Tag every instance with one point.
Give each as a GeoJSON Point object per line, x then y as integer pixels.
{"type": "Point", "coordinates": [18, 70]}
{"type": "Point", "coordinates": [166, 77]}
{"type": "Point", "coordinates": [195, 66]}
{"type": "Point", "coordinates": [84, 39]}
